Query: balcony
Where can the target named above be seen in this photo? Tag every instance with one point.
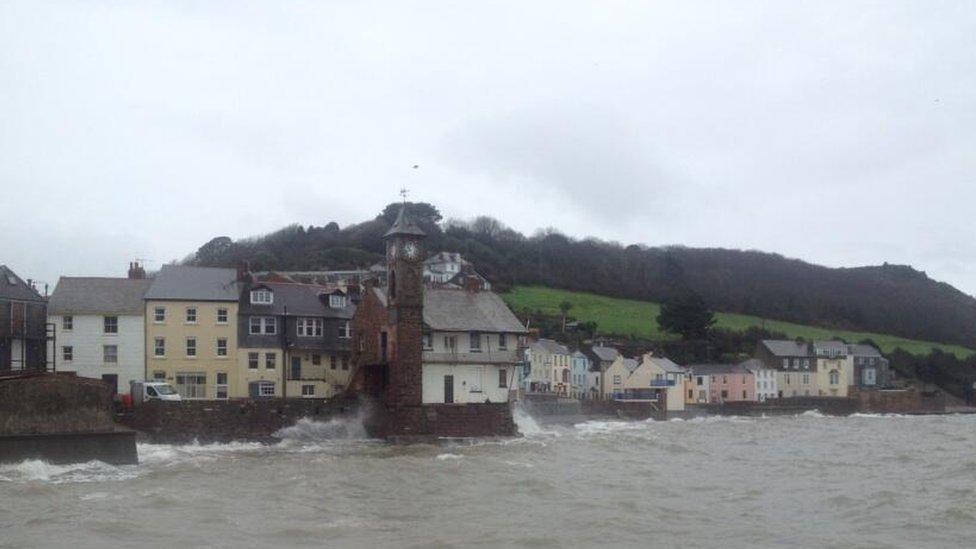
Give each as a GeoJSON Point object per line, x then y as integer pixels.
{"type": "Point", "coordinates": [663, 383]}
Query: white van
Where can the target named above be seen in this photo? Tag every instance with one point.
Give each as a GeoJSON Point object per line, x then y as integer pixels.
{"type": "Point", "coordinates": [142, 391]}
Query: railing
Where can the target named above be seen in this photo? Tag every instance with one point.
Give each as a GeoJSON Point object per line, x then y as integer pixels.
{"type": "Point", "coordinates": [663, 383]}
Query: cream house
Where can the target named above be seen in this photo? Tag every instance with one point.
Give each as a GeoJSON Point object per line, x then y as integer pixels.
{"type": "Point", "coordinates": [615, 377]}
{"type": "Point", "coordinates": [835, 368]}
{"type": "Point", "coordinates": [191, 331]}
{"type": "Point", "coordinates": [654, 375]}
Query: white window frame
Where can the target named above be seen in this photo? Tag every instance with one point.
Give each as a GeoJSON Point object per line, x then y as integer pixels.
{"type": "Point", "coordinates": [159, 344]}
{"type": "Point", "coordinates": [428, 341]}
{"type": "Point", "coordinates": [474, 341]}
{"type": "Point", "coordinates": [253, 361]}
{"type": "Point", "coordinates": [311, 393]}
{"type": "Point", "coordinates": [266, 388]}
{"type": "Point", "coordinates": [222, 312]}
{"type": "Point", "coordinates": [67, 353]}
{"type": "Point", "coordinates": [191, 315]}
{"type": "Point", "coordinates": [218, 386]}
{"type": "Point", "coordinates": [105, 354]}
{"type": "Point", "coordinates": [114, 324]}
{"type": "Point", "coordinates": [221, 349]}
{"type": "Point", "coordinates": [310, 327]}
{"type": "Point", "coordinates": [337, 301]}
{"type": "Point", "coordinates": [502, 342]}
{"type": "Point", "coordinates": [159, 315]}
{"type": "Point", "coordinates": [273, 361]}
{"type": "Point", "coordinates": [191, 345]}
{"type": "Point", "coordinates": [262, 296]}
{"type": "Point", "coordinates": [67, 323]}
{"type": "Point", "coordinates": [345, 330]}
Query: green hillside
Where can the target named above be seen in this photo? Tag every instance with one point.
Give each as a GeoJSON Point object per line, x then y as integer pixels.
{"type": "Point", "coordinates": [637, 318]}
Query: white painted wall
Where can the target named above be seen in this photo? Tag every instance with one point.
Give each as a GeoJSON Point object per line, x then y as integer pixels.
{"type": "Point", "coordinates": [87, 338]}
{"type": "Point", "coordinates": [766, 386]}
{"type": "Point", "coordinates": [466, 378]}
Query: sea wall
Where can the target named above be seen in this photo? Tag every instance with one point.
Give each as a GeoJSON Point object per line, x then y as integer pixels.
{"type": "Point", "coordinates": [54, 403]}
{"type": "Point", "coordinates": [429, 421]}
{"type": "Point", "coordinates": [227, 420]}
{"type": "Point", "coordinates": [901, 401]}
{"type": "Point", "coordinates": [834, 406]}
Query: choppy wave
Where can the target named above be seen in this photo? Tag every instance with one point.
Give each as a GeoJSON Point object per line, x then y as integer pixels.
{"type": "Point", "coordinates": [309, 430]}
{"type": "Point", "coordinates": [33, 470]}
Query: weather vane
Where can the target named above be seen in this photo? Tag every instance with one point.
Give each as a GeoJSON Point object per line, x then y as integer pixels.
{"type": "Point", "coordinates": [403, 194]}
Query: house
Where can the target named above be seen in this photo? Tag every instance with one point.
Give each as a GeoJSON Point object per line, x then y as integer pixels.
{"type": "Point", "coordinates": [24, 330]}
{"type": "Point", "coordinates": [656, 376]}
{"type": "Point", "coordinates": [794, 364]}
{"type": "Point", "coordinates": [871, 369]}
{"type": "Point", "coordinates": [615, 377]}
{"type": "Point", "coordinates": [549, 367]}
{"type": "Point", "coordinates": [99, 327]}
{"type": "Point", "coordinates": [696, 387]}
{"type": "Point", "coordinates": [579, 374]}
{"type": "Point", "coordinates": [765, 377]}
{"type": "Point", "coordinates": [602, 357]}
{"type": "Point", "coordinates": [594, 383]}
{"type": "Point", "coordinates": [450, 268]}
{"type": "Point", "coordinates": [191, 332]}
{"type": "Point", "coordinates": [726, 382]}
{"type": "Point", "coordinates": [306, 328]}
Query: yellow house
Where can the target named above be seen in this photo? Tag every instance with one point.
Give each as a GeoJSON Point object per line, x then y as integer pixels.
{"type": "Point", "coordinates": [615, 377]}
{"type": "Point", "coordinates": [658, 374]}
{"type": "Point", "coordinates": [191, 331]}
{"type": "Point", "coordinates": [835, 368]}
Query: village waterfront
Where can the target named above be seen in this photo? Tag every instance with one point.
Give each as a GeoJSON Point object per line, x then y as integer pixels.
{"type": "Point", "coordinates": [806, 480]}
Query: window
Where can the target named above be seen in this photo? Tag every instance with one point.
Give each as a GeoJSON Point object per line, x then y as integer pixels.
{"type": "Point", "coordinates": [310, 327]}
{"type": "Point", "coordinates": [725, 379]}
{"type": "Point", "coordinates": [110, 354]}
{"type": "Point", "coordinates": [262, 325]}
{"type": "Point", "coordinates": [308, 390]}
{"type": "Point", "coordinates": [159, 315]}
{"type": "Point", "coordinates": [428, 340]}
{"type": "Point", "coordinates": [786, 363]}
{"type": "Point", "coordinates": [806, 378]}
{"type": "Point", "coordinates": [450, 343]}
{"type": "Point", "coordinates": [475, 339]}
{"type": "Point", "coordinates": [345, 363]}
{"type": "Point", "coordinates": [221, 316]}
{"type": "Point", "coordinates": [67, 353]}
{"type": "Point", "coordinates": [502, 342]}
{"type": "Point", "coordinates": [834, 377]}
{"type": "Point", "coordinates": [252, 361]}
{"type": "Point", "coordinates": [743, 395]}
{"type": "Point", "coordinates": [266, 389]}
{"type": "Point", "coordinates": [221, 389]}
{"type": "Point", "coordinates": [262, 297]}
{"type": "Point", "coordinates": [159, 375]}
{"type": "Point", "coordinates": [159, 347]}
{"type": "Point", "coordinates": [806, 363]}
{"type": "Point", "coordinates": [725, 394]}
{"type": "Point", "coordinates": [191, 384]}
{"type": "Point", "coordinates": [616, 380]}
{"type": "Point", "coordinates": [502, 378]}
{"type": "Point", "coordinates": [191, 315]}
{"type": "Point", "coordinates": [111, 324]}
{"type": "Point", "coordinates": [337, 301]}
{"type": "Point", "coordinates": [270, 360]}
{"type": "Point", "coordinates": [332, 362]}
{"type": "Point", "coordinates": [316, 360]}
{"type": "Point", "coordinates": [479, 372]}
{"type": "Point", "coordinates": [67, 323]}
{"type": "Point", "coordinates": [221, 346]}
{"type": "Point", "coordinates": [191, 347]}
{"type": "Point", "coordinates": [701, 380]}
{"type": "Point", "coordinates": [344, 330]}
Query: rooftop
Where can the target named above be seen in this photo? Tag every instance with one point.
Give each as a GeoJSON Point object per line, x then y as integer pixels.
{"type": "Point", "coordinates": [98, 295]}
{"type": "Point", "coordinates": [786, 347]}
{"type": "Point", "coordinates": [451, 310]}
{"type": "Point", "coordinates": [184, 283]}
{"type": "Point", "coordinates": [14, 288]}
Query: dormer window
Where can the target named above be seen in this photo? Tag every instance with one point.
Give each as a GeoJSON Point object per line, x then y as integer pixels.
{"type": "Point", "coordinates": [337, 301]}
{"type": "Point", "coordinates": [262, 296]}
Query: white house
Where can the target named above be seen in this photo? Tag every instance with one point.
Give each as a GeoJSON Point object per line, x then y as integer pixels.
{"type": "Point", "coordinates": [99, 328]}
{"type": "Point", "coordinates": [766, 386]}
{"type": "Point", "coordinates": [549, 367]}
{"type": "Point", "coordinates": [473, 340]}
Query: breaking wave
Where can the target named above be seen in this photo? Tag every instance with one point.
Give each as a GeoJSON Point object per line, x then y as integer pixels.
{"type": "Point", "coordinates": [309, 430]}
{"type": "Point", "coordinates": [34, 470]}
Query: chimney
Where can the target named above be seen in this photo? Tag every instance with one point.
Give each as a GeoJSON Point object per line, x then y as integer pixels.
{"type": "Point", "coordinates": [244, 271]}
{"type": "Point", "coordinates": [136, 272]}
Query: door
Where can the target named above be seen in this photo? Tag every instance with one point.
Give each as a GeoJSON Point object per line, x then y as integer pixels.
{"type": "Point", "coordinates": [448, 389]}
{"type": "Point", "coordinates": [296, 367]}
{"type": "Point", "coordinates": [112, 380]}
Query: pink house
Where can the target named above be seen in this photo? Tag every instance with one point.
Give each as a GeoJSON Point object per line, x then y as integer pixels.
{"type": "Point", "coordinates": [727, 382]}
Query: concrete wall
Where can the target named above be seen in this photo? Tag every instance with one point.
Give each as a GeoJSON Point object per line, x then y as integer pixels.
{"type": "Point", "coordinates": [54, 404]}
{"type": "Point", "coordinates": [223, 421]}
{"type": "Point", "coordinates": [473, 383]}
{"type": "Point", "coordinates": [900, 401]}
{"type": "Point", "coordinates": [87, 338]}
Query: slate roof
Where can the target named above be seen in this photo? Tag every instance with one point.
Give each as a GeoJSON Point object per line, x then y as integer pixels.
{"type": "Point", "coordinates": [753, 364]}
{"type": "Point", "coordinates": [460, 310]}
{"type": "Point", "coordinates": [183, 283]}
{"type": "Point", "coordinates": [786, 347]}
{"type": "Point", "coordinates": [98, 295]}
{"type": "Point", "coordinates": [631, 364]}
{"type": "Point", "coordinates": [830, 348]}
{"type": "Point", "coordinates": [605, 354]}
{"type": "Point", "coordinates": [404, 225]}
{"type": "Point", "coordinates": [863, 349]}
{"type": "Point", "coordinates": [296, 299]}
{"type": "Point", "coordinates": [667, 365]}
{"type": "Point", "coordinates": [13, 287]}
{"type": "Point", "coordinates": [713, 369]}
{"type": "Point", "coordinates": [550, 346]}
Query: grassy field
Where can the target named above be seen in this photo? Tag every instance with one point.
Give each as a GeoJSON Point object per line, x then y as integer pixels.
{"type": "Point", "coordinates": [637, 318]}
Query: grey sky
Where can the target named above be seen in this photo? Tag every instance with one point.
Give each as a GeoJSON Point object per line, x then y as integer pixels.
{"type": "Point", "coordinates": [839, 133]}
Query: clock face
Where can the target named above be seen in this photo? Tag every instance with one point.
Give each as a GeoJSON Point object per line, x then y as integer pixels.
{"type": "Point", "coordinates": [411, 250]}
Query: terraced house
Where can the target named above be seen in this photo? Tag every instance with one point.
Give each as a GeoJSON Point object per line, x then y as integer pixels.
{"type": "Point", "coordinates": [294, 340]}
{"type": "Point", "coordinates": [23, 324]}
{"type": "Point", "coordinates": [191, 331]}
{"type": "Point", "coordinates": [99, 325]}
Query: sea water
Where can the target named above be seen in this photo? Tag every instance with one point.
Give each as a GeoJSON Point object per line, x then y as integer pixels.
{"type": "Point", "coordinates": [798, 481]}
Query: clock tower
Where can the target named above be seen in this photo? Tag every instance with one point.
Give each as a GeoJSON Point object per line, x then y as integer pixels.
{"type": "Point", "coordinates": [405, 300]}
